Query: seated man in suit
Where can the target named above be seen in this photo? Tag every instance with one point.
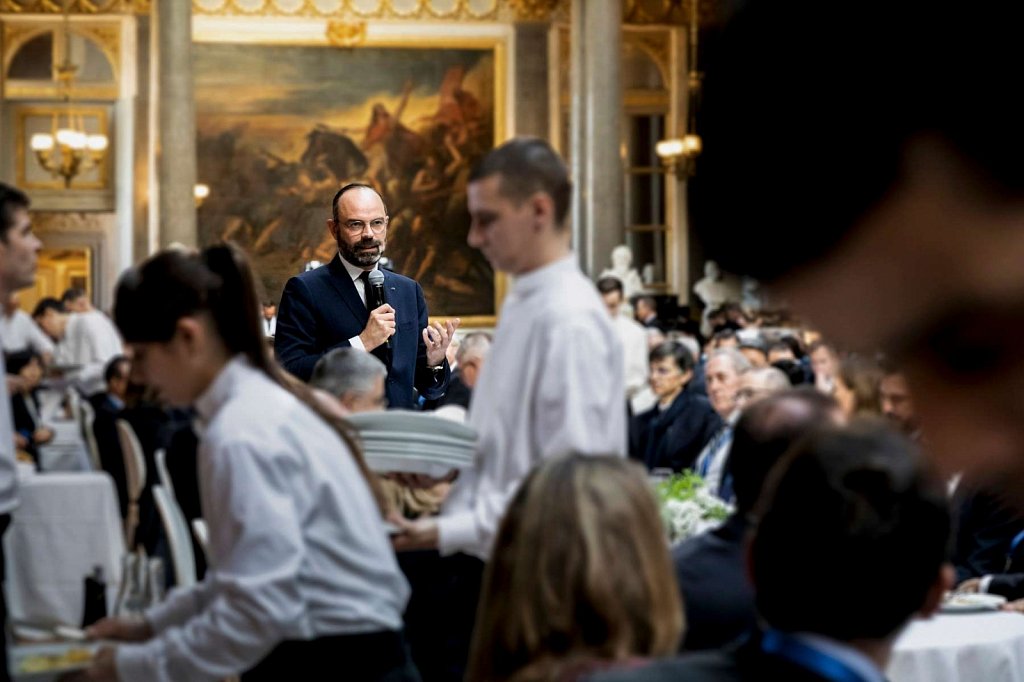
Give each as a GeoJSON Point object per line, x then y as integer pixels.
{"type": "Point", "coordinates": [711, 568]}
{"type": "Point", "coordinates": [849, 545]}
{"type": "Point", "coordinates": [332, 307]}
{"type": "Point", "coordinates": [469, 359]}
{"type": "Point", "coordinates": [671, 434]}
{"type": "Point", "coordinates": [108, 406]}
{"type": "Point", "coordinates": [356, 380]}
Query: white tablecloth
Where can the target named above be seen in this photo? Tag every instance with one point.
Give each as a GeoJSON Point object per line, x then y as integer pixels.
{"type": "Point", "coordinates": [983, 647]}
{"type": "Point", "coordinates": [67, 451]}
{"type": "Point", "coordinates": [66, 524]}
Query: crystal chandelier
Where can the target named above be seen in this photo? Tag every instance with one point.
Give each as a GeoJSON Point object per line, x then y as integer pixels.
{"type": "Point", "coordinates": [68, 150]}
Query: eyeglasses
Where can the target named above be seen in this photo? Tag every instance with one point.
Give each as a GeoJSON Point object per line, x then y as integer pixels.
{"type": "Point", "coordinates": [377, 225]}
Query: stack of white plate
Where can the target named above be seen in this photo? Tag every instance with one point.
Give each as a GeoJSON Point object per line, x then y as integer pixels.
{"type": "Point", "coordinates": [414, 442]}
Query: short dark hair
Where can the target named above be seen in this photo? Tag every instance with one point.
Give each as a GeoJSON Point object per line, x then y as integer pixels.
{"type": "Point", "coordinates": [725, 335]}
{"type": "Point", "coordinates": [115, 368]}
{"type": "Point", "coordinates": [47, 304]}
{"type": "Point", "coordinates": [72, 294]}
{"type": "Point", "coordinates": [794, 371]}
{"type": "Point", "coordinates": [349, 187]}
{"type": "Point", "coordinates": [675, 350]}
{"type": "Point", "coordinates": [766, 430]}
{"type": "Point", "coordinates": [841, 158]}
{"type": "Point", "coordinates": [11, 199]}
{"type": "Point", "coordinates": [527, 165]}
{"type": "Point", "coordinates": [17, 360]}
{"type": "Point", "coordinates": [607, 285]}
{"type": "Point", "coordinates": [851, 507]}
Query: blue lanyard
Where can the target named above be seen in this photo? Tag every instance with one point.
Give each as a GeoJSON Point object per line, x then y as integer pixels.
{"type": "Point", "coordinates": [793, 650]}
{"type": "Point", "coordinates": [1017, 539]}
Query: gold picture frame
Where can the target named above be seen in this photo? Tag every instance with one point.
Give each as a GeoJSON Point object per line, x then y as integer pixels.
{"type": "Point", "coordinates": [349, 41]}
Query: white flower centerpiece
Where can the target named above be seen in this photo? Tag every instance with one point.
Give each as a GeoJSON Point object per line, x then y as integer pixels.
{"type": "Point", "coordinates": [688, 508]}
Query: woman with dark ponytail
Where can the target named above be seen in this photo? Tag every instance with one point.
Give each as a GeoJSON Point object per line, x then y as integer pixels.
{"type": "Point", "coordinates": [302, 580]}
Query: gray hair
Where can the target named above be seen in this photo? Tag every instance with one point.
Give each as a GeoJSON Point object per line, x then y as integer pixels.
{"type": "Point", "coordinates": [474, 345]}
{"type": "Point", "coordinates": [347, 370]}
{"type": "Point", "coordinates": [738, 360]}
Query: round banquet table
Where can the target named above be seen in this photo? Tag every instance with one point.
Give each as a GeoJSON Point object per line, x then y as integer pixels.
{"type": "Point", "coordinates": [66, 524]}
{"type": "Point", "coordinates": [963, 647]}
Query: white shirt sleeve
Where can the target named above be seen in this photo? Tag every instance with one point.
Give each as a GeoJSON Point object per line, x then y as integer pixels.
{"type": "Point", "coordinates": [253, 599]}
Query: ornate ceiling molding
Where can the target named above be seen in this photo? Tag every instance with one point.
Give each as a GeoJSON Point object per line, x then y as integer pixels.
{"type": "Point", "coordinates": [634, 11]}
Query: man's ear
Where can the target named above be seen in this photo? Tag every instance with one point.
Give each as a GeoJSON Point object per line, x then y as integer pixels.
{"type": "Point", "coordinates": [543, 209]}
{"type": "Point", "coordinates": [943, 583]}
{"type": "Point", "coordinates": [332, 227]}
{"type": "Point", "coordinates": [188, 332]}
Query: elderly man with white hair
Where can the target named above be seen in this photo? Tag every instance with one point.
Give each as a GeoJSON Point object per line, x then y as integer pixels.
{"type": "Point", "coordinates": [723, 373]}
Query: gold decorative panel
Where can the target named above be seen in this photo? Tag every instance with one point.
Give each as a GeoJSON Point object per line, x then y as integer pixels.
{"type": "Point", "coordinates": [634, 11]}
{"type": "Point", "coordinates": [76, 7]}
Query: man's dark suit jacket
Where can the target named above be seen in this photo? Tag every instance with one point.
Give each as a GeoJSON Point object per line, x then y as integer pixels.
{"type": "Point", "coordinates": [717, 596]}
{"type": "Point", "coordinates": [25, 423]}
{"type": "Point", "coordinates": [321, 310]}
{"type": "Point", "coordinates": [679, 434]}
{"type": "Point", "coordinates": [985, 527]}
{"type": "Point", "coordinates": [742, 663]}
{"type": "Point", "coordinates": [104, 428]}
{"type": "Point", "coordinates": [458, 392]}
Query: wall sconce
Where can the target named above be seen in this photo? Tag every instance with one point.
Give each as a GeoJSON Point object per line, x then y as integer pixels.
{"type": "Point", "coordinates": [200, 192]}
{"type": "Point", "coordinates": [680, 154]}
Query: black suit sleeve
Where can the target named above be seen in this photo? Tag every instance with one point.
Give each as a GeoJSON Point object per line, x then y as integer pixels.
{"type": "Point", "coordinates": [985, 528]}
{"type": "Point", "coordinates": [295, 341]}
{"type": "Point", "coordinates": [429, 385]}
{"type": "Point", "coordinates": [1010, 585]}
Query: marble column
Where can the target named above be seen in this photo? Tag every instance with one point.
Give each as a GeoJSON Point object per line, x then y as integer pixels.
{"type": "Point", "coordinates": [176, 124]}
{"type": "Point", "coordinates": [596, 131]}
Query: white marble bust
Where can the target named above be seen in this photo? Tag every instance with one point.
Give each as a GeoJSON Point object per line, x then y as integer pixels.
{"type": "Point", "coordinates": [622, 268]}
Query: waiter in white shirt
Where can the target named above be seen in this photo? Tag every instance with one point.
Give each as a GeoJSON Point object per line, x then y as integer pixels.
{"type": "Point", "coordinates": [19, 332]}
{"type": "Point", "coordinates": [553, 383]}
{"type": "Point", "coordinates": [85, 340]}
{"type": "Point", "coordinates": [19, 254]}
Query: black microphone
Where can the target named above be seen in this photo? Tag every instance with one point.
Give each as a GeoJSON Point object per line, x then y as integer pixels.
{"type": "Point", "coordinates": [376, 295]}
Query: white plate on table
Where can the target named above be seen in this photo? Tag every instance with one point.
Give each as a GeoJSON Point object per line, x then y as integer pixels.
{"type": "Point", "coordinates": [960, 602]}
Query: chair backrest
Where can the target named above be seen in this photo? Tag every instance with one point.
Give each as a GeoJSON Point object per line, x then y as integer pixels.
{"type": "Point", "coordinates": [134, 474]}
{"type": "Point", "coordinates": [134, 459]}
{"type": "Point", "coordinates": [182, 558]}
{"type": "Point", "coordinates": [163, 475]}
{"type": "Point", "coordinates": [202, 535]}
{"type": "Point", "coordinates": [86, 418]}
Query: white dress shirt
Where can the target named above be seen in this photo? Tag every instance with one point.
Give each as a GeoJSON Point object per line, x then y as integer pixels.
{"type": "Point", "coordinates": [269, 326]}
{"type": "Point", "coordinates": [552, 385]}
{"type": "Point", "coordinates": [297, 547]}
{"type": "Point", "coordinates": [91, 341]}
{"type": "Point", "coordinates": [356, 273]}
{"type": "Point", "coordinates": [633, 337]}
{"type": "Point", "coordinates": [19, 331]}
{"type": "Point", "coordinates": [8, 466]}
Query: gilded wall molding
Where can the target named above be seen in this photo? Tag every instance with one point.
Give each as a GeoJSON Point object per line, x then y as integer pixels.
{"type": "Point", "coordinates": [76, 7]}
{"type": "Point", "coordinates": [345, 34]}
{"type": "Point", "coordinates": [634, 11]}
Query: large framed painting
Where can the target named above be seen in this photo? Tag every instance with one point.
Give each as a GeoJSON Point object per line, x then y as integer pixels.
{"type": "Point", "coordinates": [282, 126]}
